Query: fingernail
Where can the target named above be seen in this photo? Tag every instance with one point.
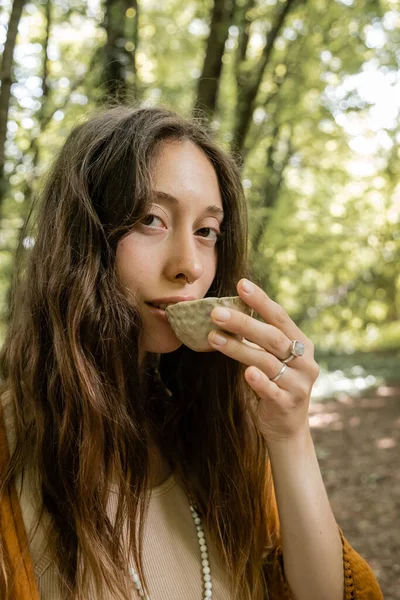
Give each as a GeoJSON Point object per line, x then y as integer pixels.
{"type": "Point", "coordinates": [247, 286]}
{"type": "Point", "coordinates": [217, 339]}
{"type": "Point", "coordinates": [221, 314]}
{"type": "Point", "coordinates": [254, 375]}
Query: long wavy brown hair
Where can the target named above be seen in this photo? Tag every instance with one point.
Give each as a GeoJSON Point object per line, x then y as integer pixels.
{"type": "Point", "coordinates": [85, 407]}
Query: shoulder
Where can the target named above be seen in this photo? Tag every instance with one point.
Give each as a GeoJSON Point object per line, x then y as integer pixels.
{"type": "Point", "coordinates": [36, 523]}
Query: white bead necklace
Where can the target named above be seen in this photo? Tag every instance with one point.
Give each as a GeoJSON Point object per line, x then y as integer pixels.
{"type": "Point", "coordinates": [204, 558]}
{"type": "Point", "coordinates": [207, 588]}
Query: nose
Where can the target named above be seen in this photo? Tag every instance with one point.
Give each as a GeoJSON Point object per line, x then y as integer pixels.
{"type": "Point", "coordinates": [185, 260]}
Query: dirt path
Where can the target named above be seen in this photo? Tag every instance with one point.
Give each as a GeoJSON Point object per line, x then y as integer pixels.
{"type": "Point", "coordinates": [358, 446]}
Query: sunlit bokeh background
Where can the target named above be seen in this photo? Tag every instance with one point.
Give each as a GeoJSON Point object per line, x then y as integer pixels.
{"type": "Point", "coordinates": [319, 141]}
{"type": "Point", "coordinates": [306, 93]}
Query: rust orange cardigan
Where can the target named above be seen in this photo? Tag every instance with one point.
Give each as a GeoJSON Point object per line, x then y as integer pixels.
{"type": "Point", "coordinates": [360, 582]}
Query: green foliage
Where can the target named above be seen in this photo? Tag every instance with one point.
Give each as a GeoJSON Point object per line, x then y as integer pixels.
{"type": "Point", "coordinates": [320, 159]}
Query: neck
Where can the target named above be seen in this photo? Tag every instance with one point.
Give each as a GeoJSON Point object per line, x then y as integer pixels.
{"type": "Point", "coordinates": [159, 468]}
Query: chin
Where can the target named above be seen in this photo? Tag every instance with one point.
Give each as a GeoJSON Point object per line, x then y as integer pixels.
{"type": "Point", "coordinates": [161, 344]}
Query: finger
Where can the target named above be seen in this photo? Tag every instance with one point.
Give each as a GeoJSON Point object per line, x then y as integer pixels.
{"type": "Point", "coordinates": [266, 336]}
{"type": "Point", "coordinates": [271, 312]}
{"type": "Point", "coordinates": [262, 360]}
{"type": "Point", "coordinates": [262, 385]}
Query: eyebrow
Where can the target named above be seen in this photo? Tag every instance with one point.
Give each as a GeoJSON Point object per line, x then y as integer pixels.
{"type": "Point", "coordinates": [213, 209]}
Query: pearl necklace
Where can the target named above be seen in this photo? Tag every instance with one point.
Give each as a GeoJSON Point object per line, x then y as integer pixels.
{"type": "Point", "coordinates": [204, 557]}
{"type": "Point", "coordinates": [200, 533]}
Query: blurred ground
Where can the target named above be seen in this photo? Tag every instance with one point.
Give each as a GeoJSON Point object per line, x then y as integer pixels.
{"type": "Point", "coordinates": [357, 439]}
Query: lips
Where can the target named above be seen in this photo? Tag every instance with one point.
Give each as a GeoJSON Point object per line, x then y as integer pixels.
{"type": "Point", "coordinates": [158, 305]}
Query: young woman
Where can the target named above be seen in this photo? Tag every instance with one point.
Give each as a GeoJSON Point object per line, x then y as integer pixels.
{"type": "Point", "coordinates": [133, 466]}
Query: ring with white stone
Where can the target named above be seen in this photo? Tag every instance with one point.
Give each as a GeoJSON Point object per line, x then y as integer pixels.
{"type": "Point", "coordinates": [297, 349]}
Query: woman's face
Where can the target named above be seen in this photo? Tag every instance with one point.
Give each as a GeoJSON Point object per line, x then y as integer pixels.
{"type": "Point", "coordinates": [177, 238]}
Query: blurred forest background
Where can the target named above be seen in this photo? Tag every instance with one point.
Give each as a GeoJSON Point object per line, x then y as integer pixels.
{"type": "Point", "coordinates": [306, 93]}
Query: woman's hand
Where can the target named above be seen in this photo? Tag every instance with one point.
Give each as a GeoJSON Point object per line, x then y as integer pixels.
{"type": "Point", "coordinates": [282, 410]}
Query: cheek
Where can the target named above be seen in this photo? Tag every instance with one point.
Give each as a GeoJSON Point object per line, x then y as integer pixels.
{"type": "Point", "coordinates": [125, 262]}
{"type": "Point", "coordinates": [215, 263]}
{"type": "Point", "coordinates": [121, 260]}
{"type": "Point", "coordinates": [133, 263]}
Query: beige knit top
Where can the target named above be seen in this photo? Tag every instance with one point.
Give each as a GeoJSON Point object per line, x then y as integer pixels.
{"type": "Point", "coordinates": [171, 552]}
{"type": "Point", "coordinates": [172, 561]}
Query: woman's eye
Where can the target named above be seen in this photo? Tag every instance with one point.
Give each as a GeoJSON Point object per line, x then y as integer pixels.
{"type": "Point", "coordinates": [216, 231]}
{"type": "Point", "coordinates": [149, 218]}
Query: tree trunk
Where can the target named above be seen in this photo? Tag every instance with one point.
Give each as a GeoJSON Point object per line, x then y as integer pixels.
{"type": "Point", "coordinates": [208, 86]}
{"type": "Point", "coordinates": [136, 92]}
{"type": "Point", "coordinates": [243, 23]}
{"type": "Point", "coordinates": [116, 58]}
{"type": "Point", "coordinates": [248, 86]}
{"type": "Point", "coordinates": [34, 149]}
{"type": "Point", "coordinates": [6, 81]}
{"type": "Point", "coordinates": [271, 190]}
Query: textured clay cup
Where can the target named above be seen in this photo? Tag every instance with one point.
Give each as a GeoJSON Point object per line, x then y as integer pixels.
{"type": "Point", "coordinates": [191, 320]}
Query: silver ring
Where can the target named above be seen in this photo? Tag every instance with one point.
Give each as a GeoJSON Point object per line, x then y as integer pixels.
{"type": "Point", "coordinates": [297, 349]}
{"type": "Point", "coordinates": [281, 372]}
